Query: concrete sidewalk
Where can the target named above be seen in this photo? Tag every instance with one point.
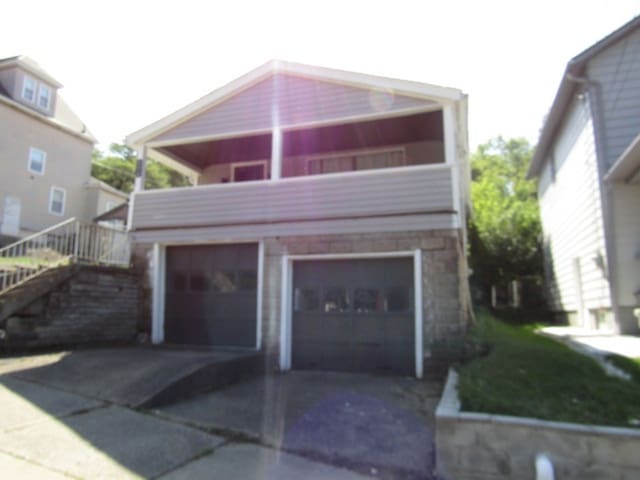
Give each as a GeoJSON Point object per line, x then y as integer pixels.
{"type": "Point", "coordinates": [48, 433]}
{"type": "Point", "coordinates": [595, 342]}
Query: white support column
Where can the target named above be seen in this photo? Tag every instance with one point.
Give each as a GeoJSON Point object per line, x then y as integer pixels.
{"type": "Point", "coordinates": [419, 339]}
{"type": "Point", "coordinates": [449, 126]}
{"type": "Point", "coordinates": [451, 159]}
{"type": "Point", "coordinates": [259, 301]}
{"type": "Point", "coordinates": [158, 285]}
{"type": "Point", "coordinates": [285, 319]}
{"type": "Point", "coordinates": [276, 153]}
{"type": "Point", "coordinates": [141, 169]}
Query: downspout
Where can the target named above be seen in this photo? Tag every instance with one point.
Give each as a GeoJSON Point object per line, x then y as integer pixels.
{"type": "Point", "coordinates": [594, 96]}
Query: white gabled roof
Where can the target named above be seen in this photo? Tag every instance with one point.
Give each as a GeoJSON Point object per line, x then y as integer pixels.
{"type": "Point", "coordinates": [401, 87]}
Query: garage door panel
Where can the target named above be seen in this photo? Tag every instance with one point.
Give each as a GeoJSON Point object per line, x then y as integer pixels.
{"type": "Point", "coordinates": [338, 357]}
{"type": "Point", "coordinates": [399, 329]}
{"type": "Point", "coordinates": [353, 315]}
{"type": "Point", "coordinates": [367, 358]}
{"type": "Point", "coordinates": [310, 356]}
{"type": "Point", "coordinates": [308, 326]}
{"type": "Point", "coordinates": [369, 328]}
{"type": "Point", "coordinates": [335, 328]}
{"type": "Point", "coordinates": [211, 295]}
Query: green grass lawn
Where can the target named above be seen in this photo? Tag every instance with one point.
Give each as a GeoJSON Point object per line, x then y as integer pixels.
{"type": "Point", "coordinates": [11, 263]}
{"type": "Point", "coordinates": [527, 375]}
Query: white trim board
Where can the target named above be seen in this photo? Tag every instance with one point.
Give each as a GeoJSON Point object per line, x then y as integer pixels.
{"type": "Point", "coordinates": [286, 295]}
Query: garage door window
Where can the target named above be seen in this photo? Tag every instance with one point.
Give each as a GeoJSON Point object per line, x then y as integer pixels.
{"type": "Point", "coordinates": [247, 281]}
{"type": "Point", "coordinates": [199, 282]}
{"type": "Point", "coordinates": [398, 300]}
{"type": "Point", "coordinates": [367, 300]}
{"type": "Point", "coordinates": [306, 300]}
{"type": "Point", "coordinates": [224, 281]}
{"type": "Point", "coordinates": [336, 300]}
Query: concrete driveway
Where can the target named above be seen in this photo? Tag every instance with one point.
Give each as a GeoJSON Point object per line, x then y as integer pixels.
{"type": "Point", "coordinates": [287, 426]}
{"type": "Point", "coordinates": [380, 426]}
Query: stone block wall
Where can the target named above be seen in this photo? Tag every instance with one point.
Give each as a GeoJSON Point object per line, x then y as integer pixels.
{"type": "Point", "coordinates": [95, 305]}
{"type": "Point", "coordinates": [496, 447]}
{"type": "Point", "coordinates": [444, 288]}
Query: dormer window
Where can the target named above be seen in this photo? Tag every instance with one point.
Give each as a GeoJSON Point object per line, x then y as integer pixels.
{"type": "Point", "coordinates": [29, 89]}
{"type": "Point", "coordinates": [44, 96]}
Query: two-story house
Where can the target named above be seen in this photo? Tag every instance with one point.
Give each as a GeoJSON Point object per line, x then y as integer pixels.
{"type": "Point", "coordinates": [328, 224]}
{"type": "Point", "coordinates": [588, 167]}
{"type": "Point", "coordinates": [45, 154]}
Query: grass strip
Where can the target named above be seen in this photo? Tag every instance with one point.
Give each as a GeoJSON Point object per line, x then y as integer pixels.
{"type": "Point", "coordinates": [525, 374]}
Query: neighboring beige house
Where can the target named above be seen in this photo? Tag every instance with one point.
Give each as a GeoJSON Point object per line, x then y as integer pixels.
{"type": "Point", "coordinates": [328, 228]}
{"type": "Point", "coordinates": [45, 154]}
{"type": "Point", "coordinates": [588, 167]}
{"type": "Point", "coordinates": [102, 198]}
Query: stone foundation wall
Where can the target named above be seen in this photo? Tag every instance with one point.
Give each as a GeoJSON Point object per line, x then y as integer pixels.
{"type": "Point", "coordinates": [444, 288]}
{"type": "Point", "coordinates": [95, 305]}
{"type": "Point", "coordinates": [473, 446]}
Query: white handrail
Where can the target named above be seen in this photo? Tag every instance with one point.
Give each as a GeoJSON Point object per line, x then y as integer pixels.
{"type": "Point", "coordinates": [68, 242]}
{"type": "Point", "coordinates": [38, 234]}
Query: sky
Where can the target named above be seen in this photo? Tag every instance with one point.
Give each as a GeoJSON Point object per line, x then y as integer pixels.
{"type": "Point", "coordinates": [125, 64]}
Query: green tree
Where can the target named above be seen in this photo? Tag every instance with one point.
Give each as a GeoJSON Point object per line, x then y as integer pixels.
{"type": "Point", "coordinates": [505, 230]}
{"type": "Point", "coordinates": [117, 168]}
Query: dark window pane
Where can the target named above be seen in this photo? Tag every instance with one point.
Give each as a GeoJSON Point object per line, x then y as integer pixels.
{"type": "Point", "coordinates": [398, 299]}
{"type": "Point", "coordinates": [224, 281]}
{"type": "Point", "coordinates": [199, 282]}
{"type": "Point", "coordinates": [306, 300]}
{"type": "Point", "coordinates": [247, 280]}
{"type": "Point", "coordinates": [336, 300]}
{"type": "Point", "coordinates": [366, 300]}
{"type": "Point", "coordinates": [179, 281]}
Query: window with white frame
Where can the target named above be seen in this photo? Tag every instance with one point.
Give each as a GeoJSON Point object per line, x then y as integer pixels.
{"type": "Point", "coordinates": [44, 96]}
{"type": "Point", "coordinates": [29, 88]}
{"type": "Point", "coordinates": [57, 200]}
{"type": "Point", "coordinates": [37, 161]}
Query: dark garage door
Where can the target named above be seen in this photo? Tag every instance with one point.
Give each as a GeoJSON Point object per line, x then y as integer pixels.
{"type": "Point", "coordinates": [354, 315]}
{"type": "Point", "coordinates": [211, 295]}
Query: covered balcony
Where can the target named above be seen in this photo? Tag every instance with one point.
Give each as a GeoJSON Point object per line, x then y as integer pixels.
{"type": "Point", "coordinates": [284, 148]}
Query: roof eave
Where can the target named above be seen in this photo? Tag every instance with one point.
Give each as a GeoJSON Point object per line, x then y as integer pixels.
{"type": "Point", "coordinates": [575, 67]}
{"type": "Point", "coordinates": [87, 137]}
{"type": "Point", "coordinates": [434, 92]}
{"type": "Point", "coordinates": [556, 114]}
{"type": "Point", "coordinates": [627, 165]}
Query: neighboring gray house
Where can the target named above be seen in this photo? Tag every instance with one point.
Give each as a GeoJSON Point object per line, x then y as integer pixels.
{"type": "Point", "coordinates": [328, 226]}
{"type": "Point", "coordinates": [588, 166]}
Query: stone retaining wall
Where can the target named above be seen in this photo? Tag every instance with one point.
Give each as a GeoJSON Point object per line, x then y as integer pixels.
{"type": "Point", "coordinates": [483, 446]}
{"type": "Point", "coordinates": [95, 305]}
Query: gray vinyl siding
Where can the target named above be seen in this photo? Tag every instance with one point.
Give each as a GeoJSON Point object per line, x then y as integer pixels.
{"type": "Point", "coordinates": [626, 224]}
{"type": "Point", "coordinates": [617, 72]}
{"type": "Point", "coordinates": [571, 212]}
{"type": "Point", "coordinates": [399, 191]}
{"type": "Point", "coordinates": [300, 100]}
